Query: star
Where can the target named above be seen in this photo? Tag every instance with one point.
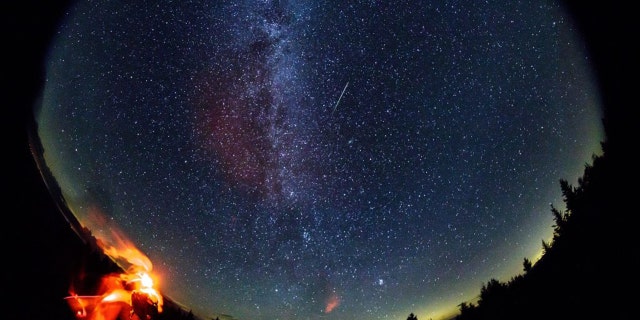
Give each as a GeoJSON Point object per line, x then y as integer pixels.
{"type": "Point", "coordinates": [276, 159]}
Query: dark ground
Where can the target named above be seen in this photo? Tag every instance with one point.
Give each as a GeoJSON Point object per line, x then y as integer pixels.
{"type": "Point", "coordinates": [40, 248]}
{"type": "Point", "coordinates": [41, 252]}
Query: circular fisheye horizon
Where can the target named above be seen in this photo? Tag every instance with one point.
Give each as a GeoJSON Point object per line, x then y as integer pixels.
{"type": "Point", "coordinates": [280, 159]}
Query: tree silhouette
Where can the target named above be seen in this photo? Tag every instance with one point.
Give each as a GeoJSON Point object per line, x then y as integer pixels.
{"type": "Point", "coordinates": [582, 272]}
{"type": "Point", "coordinates": [412, 317]}
{"type": "Point", "coordinates": [526, 264]}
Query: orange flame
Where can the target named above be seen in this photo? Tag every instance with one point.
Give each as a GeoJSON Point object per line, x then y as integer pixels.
{"type": "Point", "coordinates": [114, 297]}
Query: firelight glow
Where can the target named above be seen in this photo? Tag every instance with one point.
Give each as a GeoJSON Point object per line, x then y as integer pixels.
{"type": "Point", "coordinates": [114, 295]}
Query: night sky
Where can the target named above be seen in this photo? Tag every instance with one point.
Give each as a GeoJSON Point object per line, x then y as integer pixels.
{"type": "Point", "coordinates": [316, 159]}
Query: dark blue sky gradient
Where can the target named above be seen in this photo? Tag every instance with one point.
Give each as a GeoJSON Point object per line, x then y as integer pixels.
{"type": "Point", "coordinates": [272, 157]}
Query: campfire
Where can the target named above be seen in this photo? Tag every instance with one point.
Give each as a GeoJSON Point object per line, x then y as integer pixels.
{"type": "Point", "coordinates": [131, 294]}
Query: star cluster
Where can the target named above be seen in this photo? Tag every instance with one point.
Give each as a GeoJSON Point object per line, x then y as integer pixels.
{"type": "Point", "coordinates": [279, 160]}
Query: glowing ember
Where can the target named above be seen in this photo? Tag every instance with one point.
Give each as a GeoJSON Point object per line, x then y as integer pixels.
{"type": "Point", "coordinates": [127, 295]}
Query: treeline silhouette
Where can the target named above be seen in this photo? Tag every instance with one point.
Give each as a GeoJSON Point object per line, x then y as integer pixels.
{"type": "Point", "coordinates": [586, 272]}
{"type": "Point", "coordinates": [588, 269]}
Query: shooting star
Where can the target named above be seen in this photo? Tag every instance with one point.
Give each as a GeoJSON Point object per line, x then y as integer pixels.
{"type": "Point", "coordinates": [340, 98]}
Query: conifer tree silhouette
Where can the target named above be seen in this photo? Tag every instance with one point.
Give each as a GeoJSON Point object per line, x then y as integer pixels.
{"type": "Point", "coordinates": [526, 265]}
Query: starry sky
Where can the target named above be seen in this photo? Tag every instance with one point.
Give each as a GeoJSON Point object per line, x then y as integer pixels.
{"type": "Point", "coordinates": [320, 159]}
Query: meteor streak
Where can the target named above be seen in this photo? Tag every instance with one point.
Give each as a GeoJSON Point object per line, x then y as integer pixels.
{"type": "Point", "coordinates": [339, 98]}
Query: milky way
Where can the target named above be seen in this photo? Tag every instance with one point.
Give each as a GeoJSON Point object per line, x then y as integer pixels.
{"type": "Point", "coordinates": [285, 160]}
